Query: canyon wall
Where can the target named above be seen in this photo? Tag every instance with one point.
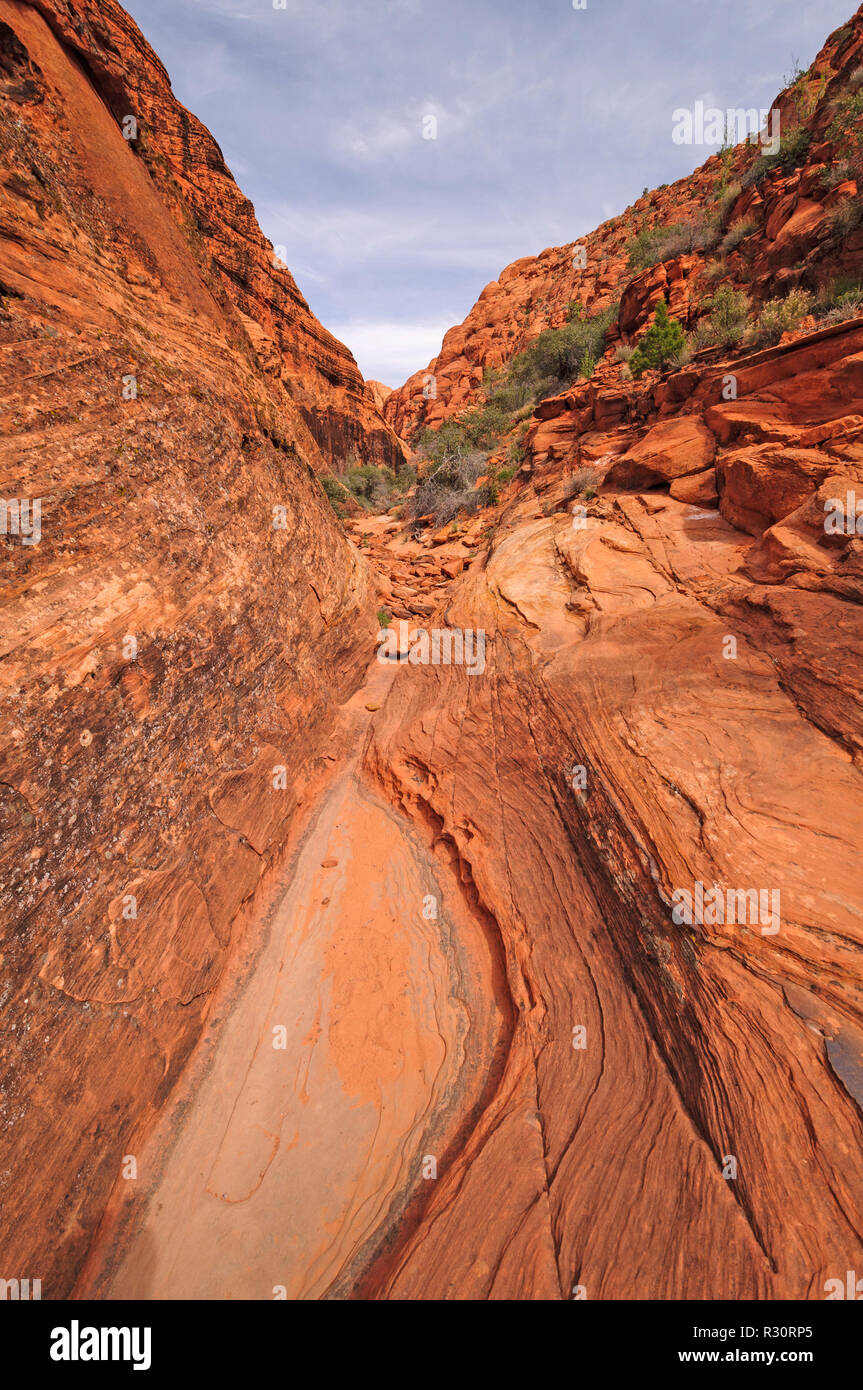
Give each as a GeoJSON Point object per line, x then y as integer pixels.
{"type": "Point", "coordinates": [509, 1069]}
{"type": "Point", "coordinates": [671, 698]}
{"type": "Point", "coordinates": [247, 278]}
{"type": "Point", "coordinates": [186, 624]}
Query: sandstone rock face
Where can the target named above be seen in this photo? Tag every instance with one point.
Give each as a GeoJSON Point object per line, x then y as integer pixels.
{"type": "Point", "coordinates": [186, 624]}
{"type": "Point", "coordinates": [244, 272]}
{"type": "Point", "coordinates": [613, 730]}
{"type": "Point", "coordinates": [537, 975]}
{"type": "Point", "coordinates": [671, 449]}
{"type": "Point", "coordinates": [379, 393]}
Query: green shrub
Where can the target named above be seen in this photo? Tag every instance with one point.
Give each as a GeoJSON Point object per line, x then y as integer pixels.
{"type": "Point", "coordinates": [506, 475]}
{"type": "Point", "coordinates": [793, 148]}
{"type": "Point", "coordinates": [516, 446]}
{"type": "Point", "coordinates": [792, 152]}
{"type": "Point", "coordinates": [656, 244]}
{"type": "Point", "coordinates": [846, 129]}
{"type": "Point", "coordinates": [384, 617]}
{"type": "Point", "coordinates": [586, 364]}
{"type": "Point", "coordinates": [662, 342]}
{"type": "Point", "coordinates": [726, 320]}
{"type": "Point", "coordinates": [848, 109]}
{"type": "Point", "coordinates": [780, 316]}
{"type": "Point", "coordinates": [458, 448]}
{"type": "Point", "coordinates": [335, 494]}
{"type": "Point", "coordinates": [372, 486]}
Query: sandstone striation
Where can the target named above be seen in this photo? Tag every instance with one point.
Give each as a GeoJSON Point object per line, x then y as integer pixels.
{"type": "Point", "coordinates": [187, 623]}
{"type": "Point", "coordinates": [411, 1004]}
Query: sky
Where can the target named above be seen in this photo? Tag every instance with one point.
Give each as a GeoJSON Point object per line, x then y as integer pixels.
{"type": "Point", "coordinates": [404, 151]}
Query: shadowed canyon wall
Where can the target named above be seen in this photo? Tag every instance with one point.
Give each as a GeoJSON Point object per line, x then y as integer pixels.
{"type": "Point", "coordinates": [189, 618]}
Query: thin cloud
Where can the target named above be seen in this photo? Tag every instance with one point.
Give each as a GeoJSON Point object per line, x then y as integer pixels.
{"type": "Point", "coordinates": [390, 351]}
{"type": "Point", "coordinates": [549, 120]}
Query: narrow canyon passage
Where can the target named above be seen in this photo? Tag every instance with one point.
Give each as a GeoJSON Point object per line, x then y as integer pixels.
{"type": "Point", "coordinates": [324, 977]}
{"type": "Point", "coordinates": [502, 1075]}
{"type": "Point", "coordinates": [330, 1075]}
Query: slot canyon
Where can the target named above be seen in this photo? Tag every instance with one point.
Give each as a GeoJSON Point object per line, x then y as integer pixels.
{"type": "Point", "coordinates": [327, 974]}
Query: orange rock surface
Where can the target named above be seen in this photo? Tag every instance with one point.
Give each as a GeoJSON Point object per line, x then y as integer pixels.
{"type": "Point", "coordinates": [404, 1009]}
{"type": "Point", "coordinates": [188, 622]}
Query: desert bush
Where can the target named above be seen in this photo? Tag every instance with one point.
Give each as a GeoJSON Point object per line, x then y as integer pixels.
{"type": "Point", "coordinates": [793, 148]}
{"type": "Point", "coordinates": [725, 323]}
{"type": "Point", "coordinates": [735, 234]}
{"type": "Point", "coordinates": [662, 342]}
{"type": "Point", "coordinates": [515, 452]}
{"type": "Point", "coordinates": [840, 37]}
{"type": "Point", "coordinates": [622, 352]}
{"type": "Point", "coordinates": [444, 445]}
{"type": "Point", "coordinates": [450, 489]}
{"type": "Point", "coordinates": [656, 244]}
{"type": "Point", "coordinates": [701, 336]}
{"type": "Point", "coordinates": [837, 173]}
{"type": "Point", "coordinates": [335, 494]}
{"type": "Point", "coordinates": [846, 215]}
{"type": "Point", "coordinates": [846, 129]}
{"type": "Point", "coordinates": [780, 316]}
{"type": "Point", "coordinates": [582, 479]}
{"type": "Point", "coordinates": [714, 270]}
{"type": "Point", "coordinates": [372, 486]}
{"type": "Point", "coordinates": [839, 301]}
{"type": "Point", "coordinates": [727, 198]}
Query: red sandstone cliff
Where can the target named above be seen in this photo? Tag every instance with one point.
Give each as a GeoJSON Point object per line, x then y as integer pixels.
{"type": "Point", "coordinates": [189, 619]}
{"type": "Point", "coordinates": [186, 167]}
{"type": "Point", "coordinates": [455, 1045]}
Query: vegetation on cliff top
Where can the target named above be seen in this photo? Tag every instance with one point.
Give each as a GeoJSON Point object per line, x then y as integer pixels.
{"type": "Point", "coordinates": [458, 451]}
